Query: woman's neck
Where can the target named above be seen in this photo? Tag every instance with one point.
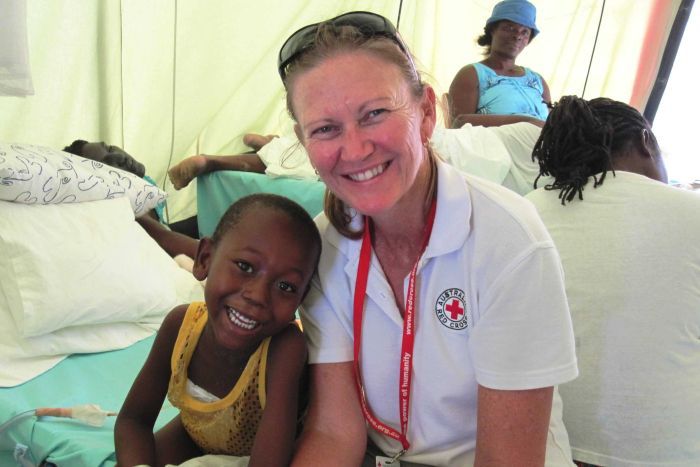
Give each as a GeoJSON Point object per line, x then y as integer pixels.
{"type": "Point", "coordinates": [501, 65]}
{"type": "Point", "coordinates": [397, 236]}
{"type": "Point", "coordinates": [404, 223]}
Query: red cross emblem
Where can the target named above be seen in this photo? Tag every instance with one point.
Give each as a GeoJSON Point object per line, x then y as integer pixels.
{"type": "Point", "coordinates": [454, 308]}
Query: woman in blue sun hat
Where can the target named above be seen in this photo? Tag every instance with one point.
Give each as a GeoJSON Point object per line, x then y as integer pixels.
{"type": "Point", "coordinates": [496, 91]}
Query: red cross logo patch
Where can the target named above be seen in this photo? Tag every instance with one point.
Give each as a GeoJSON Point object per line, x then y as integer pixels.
{"type": "Point", "coordinates": [452, 310]}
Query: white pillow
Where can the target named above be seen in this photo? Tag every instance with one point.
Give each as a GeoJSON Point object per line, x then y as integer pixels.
{"type": "Point", "coordinates": [23, 359]}
{"type": "Point", "coordinates": [39, 175]}
{"type": "Point", "coordinates": [86, 263]}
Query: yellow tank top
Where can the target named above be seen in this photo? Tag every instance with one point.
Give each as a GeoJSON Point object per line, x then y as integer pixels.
{"type": "Point", "coordinates": [228, 425]}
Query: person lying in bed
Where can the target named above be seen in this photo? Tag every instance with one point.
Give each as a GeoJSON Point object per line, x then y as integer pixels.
{"type": "Point", "coordinates": [232, 365]}
{"type": "Point", "coordinates": [267, 150]}
{"type": "Point", "coordinates": [176, 238]}
{"type": "Point", "coordinates": [502, 154]}
{"type": "Point", "coordinates": [113, 156]}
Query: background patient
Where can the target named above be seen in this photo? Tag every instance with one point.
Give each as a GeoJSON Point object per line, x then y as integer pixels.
{"type": "Point", "coordinates": [179, 238]}
{"type": "Point", "coordinates": [629, 246]}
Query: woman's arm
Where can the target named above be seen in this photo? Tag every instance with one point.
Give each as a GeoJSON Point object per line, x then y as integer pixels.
{"type": "Point", "coordinates": [133, 430]}
{"type": "Point", "coordinates": [464, 95]}
{"type": "Point", "coordinates": [512, 426]}
{"type": "Point", "coordinates": [334, 429]}
{"type": "Point", "coordinates": [274, 440]}
{"type": "Point", "coordinates": [493, 120]}
{"type": "Point", "coordinates": [546, 96]}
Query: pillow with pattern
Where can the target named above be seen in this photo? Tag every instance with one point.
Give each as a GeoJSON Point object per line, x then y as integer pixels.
{"type": "Point", "coordinates": [40, 175]}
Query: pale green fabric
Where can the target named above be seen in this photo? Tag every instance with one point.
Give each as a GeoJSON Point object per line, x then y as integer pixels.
{"type": "Point", "coordinates": [218, 190]}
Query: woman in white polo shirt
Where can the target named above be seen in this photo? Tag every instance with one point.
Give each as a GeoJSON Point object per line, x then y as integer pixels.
{"type": "Point", "coordinates": [439, 299]}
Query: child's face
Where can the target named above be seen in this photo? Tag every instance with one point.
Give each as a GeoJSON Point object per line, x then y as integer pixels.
{"type": "Point", "coordinates": [256, 277]}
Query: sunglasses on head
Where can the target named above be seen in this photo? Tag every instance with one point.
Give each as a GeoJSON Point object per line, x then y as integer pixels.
{"type": "Point", "coordinates": [369, 24]}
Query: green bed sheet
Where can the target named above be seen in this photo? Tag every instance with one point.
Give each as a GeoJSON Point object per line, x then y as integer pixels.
{"type": "Point", "coordinates": [217, 190]}
{"type": "Point", "coordinates": [100, 378]}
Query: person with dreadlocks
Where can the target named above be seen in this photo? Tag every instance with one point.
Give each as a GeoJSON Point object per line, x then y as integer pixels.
{"type": "Point", "coordinates": [631, 257]}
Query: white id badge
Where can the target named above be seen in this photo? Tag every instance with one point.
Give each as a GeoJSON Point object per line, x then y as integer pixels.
{"type": "Point", "coordinates": [383, 461]}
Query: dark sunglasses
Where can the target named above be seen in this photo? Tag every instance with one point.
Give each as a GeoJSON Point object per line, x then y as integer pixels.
{"type": "Point", "coordinates": [369, 24]}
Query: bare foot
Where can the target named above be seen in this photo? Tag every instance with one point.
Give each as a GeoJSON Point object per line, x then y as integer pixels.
{"type": "Point", "coordinates": [256, 141]}
{"type": "Point", "coordinates": [184, 172]}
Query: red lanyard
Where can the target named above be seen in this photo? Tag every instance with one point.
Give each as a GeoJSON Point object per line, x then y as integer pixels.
{"type": "Point", "coordinates": [406, 341]}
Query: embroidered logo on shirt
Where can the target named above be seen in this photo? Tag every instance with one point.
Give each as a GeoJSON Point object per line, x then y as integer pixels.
{"type": "Point", "coordinates": [452, 311]}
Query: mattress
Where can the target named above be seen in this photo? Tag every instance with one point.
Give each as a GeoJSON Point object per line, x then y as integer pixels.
{"type": "Point", "coordinates": [217, 190]}
{"type": "Point", "coordinates": [99, 378]}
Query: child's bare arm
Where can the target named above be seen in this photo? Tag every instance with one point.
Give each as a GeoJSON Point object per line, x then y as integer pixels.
{"type": "Point", "coordinates": [274, 440]}
{"type": "Point", "coordinates": [133, 430]}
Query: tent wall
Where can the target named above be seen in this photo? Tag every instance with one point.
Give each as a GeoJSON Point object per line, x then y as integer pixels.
{"type": "Point", "coordinates": [169, 78]}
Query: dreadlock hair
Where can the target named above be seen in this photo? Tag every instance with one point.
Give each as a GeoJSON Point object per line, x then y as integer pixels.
{"type": "Point", "coordinates": [581, 138]}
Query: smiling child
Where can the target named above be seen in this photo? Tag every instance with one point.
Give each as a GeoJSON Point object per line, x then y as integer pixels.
{"type": "Point", "coordinates": [232, 365]}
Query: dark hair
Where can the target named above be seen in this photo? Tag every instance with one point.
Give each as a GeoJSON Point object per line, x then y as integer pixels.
{"type": "Point", "coordinates": [329, 41]}
{"type": "Point", "coordinates": [76, 147]}
{"type": "Point", "coordinates": [486, 38]}
{"type": "Point", "coordinates": [581, 138]}
{"type": "Point", "coordinates": [300, 218]}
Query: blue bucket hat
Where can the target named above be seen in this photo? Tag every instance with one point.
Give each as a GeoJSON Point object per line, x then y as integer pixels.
{"type": "Point", "coordinates": [517, 11]}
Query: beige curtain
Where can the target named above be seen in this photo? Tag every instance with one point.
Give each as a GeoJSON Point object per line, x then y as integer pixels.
{"type": "Point", "coordinates": [169, 78]}
{"type": "Point", "coordinates": [15, 74]}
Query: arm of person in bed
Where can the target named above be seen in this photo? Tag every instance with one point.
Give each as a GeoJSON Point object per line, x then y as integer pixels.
{"type": "Point", "coordinates": [174, 243]}
{"type": "Point", "coordinates": [274, 439]}
{"type": "Point", "coordinates": [133, 431]}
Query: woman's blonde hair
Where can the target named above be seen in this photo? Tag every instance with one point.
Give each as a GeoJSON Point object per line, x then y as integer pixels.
{"type": "Point", "coordinates": [331, 40]}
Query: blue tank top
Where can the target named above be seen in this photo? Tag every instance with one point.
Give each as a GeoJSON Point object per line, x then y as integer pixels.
{"type": "Point", "coordinates": [509, 95]}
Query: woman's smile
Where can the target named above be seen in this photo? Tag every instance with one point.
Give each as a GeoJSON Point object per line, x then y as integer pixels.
{"type": "Point", "coordinates": [369, 174]}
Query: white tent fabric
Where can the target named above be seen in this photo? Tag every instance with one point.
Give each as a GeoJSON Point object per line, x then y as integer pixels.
{"type": "Point", "coordinates": [169, 78]}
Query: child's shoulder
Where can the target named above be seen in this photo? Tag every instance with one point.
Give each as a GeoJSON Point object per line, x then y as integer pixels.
{"type": "Point", "coordinates": [286, 358]}
{"type": "Point", "coordinates": [289, 344]}
{"type": "Point", "coordinates": [289, 337]}
{"type": "Point", "coordinates": [173, 320]}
